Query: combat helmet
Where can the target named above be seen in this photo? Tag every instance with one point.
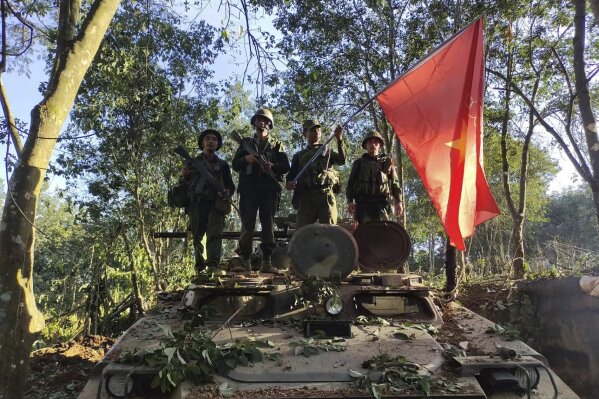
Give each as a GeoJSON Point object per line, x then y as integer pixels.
{"type": "Point", "coordinates": [210, 131]}
{"type": "Point", "coordinates": [265, 113]}
{"type": "Point", "coordinates": [310, 123]}
{"type": "Point", "coordinates": [372, 134]}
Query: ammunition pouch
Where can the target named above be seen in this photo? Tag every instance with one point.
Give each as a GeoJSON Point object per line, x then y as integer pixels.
{"type": "Point", "coordinates": [178, 196]}
{"type": "Point", "coordinates": [330, 178]}
{"type": "Point", "coordinates": [223, 205]}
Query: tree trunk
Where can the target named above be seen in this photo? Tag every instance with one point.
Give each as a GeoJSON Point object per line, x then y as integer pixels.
{"type": "Point", "coordinates": [451, 266]}
{"type": "Point", "coordinates": [517, 246]}
{"type": "Point", "coordinates": [134, 285]}
{"type": "Point", "coordinates": [20, 319]}
{"type": "Point", "coordinates": [584, 99]}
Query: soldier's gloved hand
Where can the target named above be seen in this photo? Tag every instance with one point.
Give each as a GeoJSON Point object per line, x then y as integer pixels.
{"type": "Point", "coordinates": [250, 158]}
{"type": "Point", "coordinates": [290, 185]}
{"type": "Point", "coordinates": [339, 132]}
{"type": "Point", "coordinates": [351, 208]}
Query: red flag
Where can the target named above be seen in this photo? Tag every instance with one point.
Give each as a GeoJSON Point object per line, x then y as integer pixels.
{"type": "Point", "coordinates": [436, 111]}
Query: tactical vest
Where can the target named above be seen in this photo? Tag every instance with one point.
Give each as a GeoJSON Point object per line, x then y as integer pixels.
{"type": "Point", "coordinates": [317, 175]}
{"type": "Point", "coordinates": [203, 189]}
{"type": "Point", "coordinates": [269, 149]}
{"type": "Point", "coordinates": [373, 179]}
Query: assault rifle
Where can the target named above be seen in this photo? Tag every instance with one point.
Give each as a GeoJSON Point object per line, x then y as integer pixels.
{"type": "Point", "coordinates": [204, 174]}
{"type": "Point", "coordinates": [252, 150]}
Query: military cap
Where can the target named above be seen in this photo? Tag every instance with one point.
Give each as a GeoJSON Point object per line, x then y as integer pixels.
{"type": "Point", "coordinates": [373, 134]}
{"type": "Point", "coordinates": [210, 131]}
{"type": "Point", "coordinates": [265, 113]}
{"type": "Point", "coordinates": [310, 123]}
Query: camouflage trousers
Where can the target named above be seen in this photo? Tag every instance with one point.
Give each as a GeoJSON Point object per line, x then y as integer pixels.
{"type": "Point", "coordinates": [371, 210]}
{"type": "Point", "coordinates": [204, 219]}
{"type": "Point", "coordinates": [317, 206]}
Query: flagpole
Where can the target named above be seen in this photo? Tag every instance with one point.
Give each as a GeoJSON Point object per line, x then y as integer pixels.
{"type": "Point", "coordinates": [371, 99]}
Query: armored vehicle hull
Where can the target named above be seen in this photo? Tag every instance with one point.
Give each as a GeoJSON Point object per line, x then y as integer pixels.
{"type": "Point", "coordinates": [334, 332]}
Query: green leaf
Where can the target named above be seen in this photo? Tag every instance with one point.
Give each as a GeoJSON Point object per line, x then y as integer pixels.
{"type": "Point", "coordinates": [256, 355]}
{"type": "Point", "coordinates": [225, 35]}
{"type": "Point", "coordinates": [205, 368]}
{"type": "Point", "coordinates": [309, 351]}
{"type": "Point", "coordinates": [425, 385]}
{"type": "Point", "coordinates": [170, 379]}
{"type": "Point", "coordinates": [155, 381]}
{"type": "Point", "coordinates": [169, 352]}
{"type": "Point", "coordinates": [231, 362]}
{"type": "Point", "coordinates": [243, 360]}
{"type": "Point", "coordinates": [403, 336]}
{"type": "Point", "coordinates": [376, 390]}
{"type": "Point", "coordinates": [225, 390]}
{"type": "Point", "coordinates": [355, 374]}
{"type": "Point", "coordinates": [206, 356]}
{"type": "Point", "coordinates": [166, 330]}
{"type": "Point", "coordinates": [181, 360]}
{"type": "Point", "coordinates": [274, 356]}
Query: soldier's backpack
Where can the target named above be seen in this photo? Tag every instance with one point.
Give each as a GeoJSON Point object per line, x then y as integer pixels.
{"type": "Point", "coordinates": [178, 196]}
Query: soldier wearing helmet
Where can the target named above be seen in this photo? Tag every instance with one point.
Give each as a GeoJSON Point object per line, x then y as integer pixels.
{"type": "Point", "coordinates": [260, 175]}
{"type": "Point", "coordinates": [206, 207]}
{"type": "Point", "coordinates": [373, 185]}
{"type": "Point", "coordinates": [314, 192]}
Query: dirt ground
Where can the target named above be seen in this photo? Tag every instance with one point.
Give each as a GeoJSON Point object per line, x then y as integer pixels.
{"type": "Point", "coordinates": [488, 298]}
{"type": "Point", "coordinates": [61, 371]}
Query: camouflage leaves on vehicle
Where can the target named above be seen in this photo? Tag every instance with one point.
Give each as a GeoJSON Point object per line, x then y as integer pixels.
{"type": "Point", "coordinates": [192, 355]}
{"type": "Point", "coordinates": [398, 374]}
{"type": "Point", "coordinates": [311, 347]}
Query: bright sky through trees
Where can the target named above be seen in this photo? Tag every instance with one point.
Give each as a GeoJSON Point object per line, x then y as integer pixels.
{"type": "Point", "coordinates": [23, 91]}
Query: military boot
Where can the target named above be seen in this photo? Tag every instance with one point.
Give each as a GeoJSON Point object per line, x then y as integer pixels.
{"type": "Point", "coordinates": [214, 270]}
{"type": "Point", "coordinates": [243, 267]}
{"type": "Point", "coordinates": [267, 267]}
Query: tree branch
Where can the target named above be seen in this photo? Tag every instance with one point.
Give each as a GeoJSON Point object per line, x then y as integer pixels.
{"type": "Point", "coordinates": [582, 169]}
{"type": "Point", "coordinates": [10, 120]}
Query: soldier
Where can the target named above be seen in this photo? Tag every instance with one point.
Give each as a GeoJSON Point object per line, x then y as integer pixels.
{"type": "Point", "coordinates": [314, 192]}
{"type": "Point", "coordinates": [260, 174]}
{"type": "Point", "coordinates": [373, 183]}
{"type": "Point", "coordinates": [207, 206]}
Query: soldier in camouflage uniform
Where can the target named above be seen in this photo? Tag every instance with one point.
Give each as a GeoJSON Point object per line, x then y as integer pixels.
{"type": "Point", "coordinates": [314, 196]}
{"type": "Point", "coordinates": [373, 184]}
{"type": "Point", "coordinates": [206, 216]}
{"type": "Point", "coordinates": [260, 188]}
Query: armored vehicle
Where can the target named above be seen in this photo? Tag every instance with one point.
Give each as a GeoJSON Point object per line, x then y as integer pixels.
{"type": "Point", "coordinates": [344, 322]}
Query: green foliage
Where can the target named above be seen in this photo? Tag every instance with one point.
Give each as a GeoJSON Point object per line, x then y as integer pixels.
{"type": "Point", "coordinates": [369, 321]}
{"type": "Point", "coordinates": [192, 355]}
{"type": "Point", "coordinates": [314, 291]}
{"type": "Point", "coordinates": [312, 346]}
{"type": "Point", "coordinates": [398, 374]}
{"type": "Point", "coordinates": [509, 332]}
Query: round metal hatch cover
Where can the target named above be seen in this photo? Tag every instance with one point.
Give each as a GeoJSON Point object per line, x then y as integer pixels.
{"type": "Point", "coordinates": [326, 251]}
{"type": "Point", "coordinates": [383, 245]}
